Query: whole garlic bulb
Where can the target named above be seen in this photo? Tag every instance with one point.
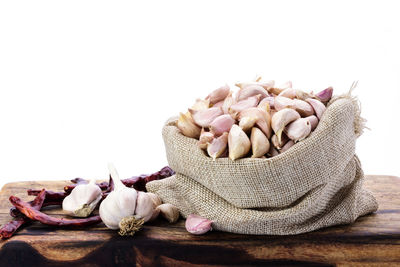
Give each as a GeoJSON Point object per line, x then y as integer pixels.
{"type": "Point", "coordinates": [82, 200]}
{"type": "Point", "coordinates": [125, 208]}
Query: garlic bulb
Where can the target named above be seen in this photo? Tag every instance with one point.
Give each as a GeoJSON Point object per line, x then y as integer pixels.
{"type": "Point", "coordinates": [82, 200]}
{"type": "Point", "coordinates": [125, 208]}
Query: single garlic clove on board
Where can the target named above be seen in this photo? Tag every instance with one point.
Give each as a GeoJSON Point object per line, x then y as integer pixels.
{"type": "Point", "coordinates": [187, 126]}
{"type": "Point", "coordinates": [259, 143]}
{"type": "Point", "coordinates": [203, 118]}
{"type": "Point", "coordinates": [221, 124]}
{"type": "Point", "coordinates": [318, 107]}
{"type": "Point", "coordinates": [218, 94]}
{"type": "Point", "coordinates": [282, 118]}
{"type": "Point", "coordinates": [197, 225]}
{"type": "Point", "coordinates": [169, 212]}
{"type": "Point", "coordinates": [218, 146]}
{"type": "Point", "coordinates": [298, 130]}
{"type": "Point", "coordinates": [313, 121]}
{"type": "Point", "coordinates": [238, 143]}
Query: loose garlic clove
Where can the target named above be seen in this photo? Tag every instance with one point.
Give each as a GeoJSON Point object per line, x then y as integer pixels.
{"type": "Point", "coordinates": [282, 102]}
{"type": "Point", "coordinates": [82, 200]}
{"type": "Point", "coordinates": [238, 143]}
{"type": "Point", "coordinates": [169, 212]}
{"type": "Point", "coordinates": [246, 123]}
{"type": "Point", "coordinates": [228, 102]}
{"type": "Point", "coordinates": [197, 225]}
{"type": "Point", "coordinates": [201, 104]}
{"type": "Point", "coordinates": [298, 130]}
{"type": "Point", "coordinates": [289, 93]}
{"type": "Point", "coordinates": [221, 124]}
{"type": "Point", "coordinates": [303, 95]}
{"type": "Point", "coordinates": [275, 142]}
{"type": "Point", "coordinates": [313, 121]}
{"type": "Point", "coordinates": [205, 139]}
{"type": "Point", "coordinates": [156, 200]}
{"type": "Point", "coordinates": [244, 104]}
{"type": "Point", "coordinates": [266, 85]}
{"type": "Point", "coordinates": [187, 126]}
{"type": "Point", "coordinates": [273, 152]}
{"type": "Point", "coordinates": [318, 107]}
{"type": "Point", "coordinates": [263, 119]}
{"type": "Point", "coordinates": [302, 107]}
{"type": "Point", "coordinates": [219, 94]}
{"type": "Point", "coordinates": [251, 90]}
{"type": "Point", "coordinates": [325, 95]}
{"type": "Point", "coordinates": [266, 103]}
{"type": "Point", "coordinates": [218, 104]}
{"type": "Point", "coordinates": [282, 118]}
{"type": "Point", "coordinates": [203, 118]}
{"type": "Point", "coordinates": [259, 143]}
{"type": "Point", "coordinates": [279, 89]}
{"type": "Point", "coordinates": [218, 146]}
{"type": "Point", "coordinates": [288, 145]}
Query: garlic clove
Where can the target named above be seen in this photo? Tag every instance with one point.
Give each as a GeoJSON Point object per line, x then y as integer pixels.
{"type": "Point", "coordinates": [203, 118]}
{"type": "Point", "coordinates": [197, 225]}
{"type": "Point", "coordinates": [303, 95]}
{"type": "Point", "coordinates": [302, 107]}
{"type": "Point", "coordinates": [144, 206]}
{"type": "Point", "coordinates": [273, 151]}
{"type": "Point", "coordinates": [275, 142]}
{"type": "Point", "coordinates": [205, 139]}
{"type": "Point", "coordinates": [218, 146]}
{"type": "Point", "coordinates": [156, 202]}
{"type": "Point", "coordinates": [238, 143]}
{"type": "Point", "coordinates": [279, 89]}
{"type": "Point", "coordinates": [187, 126]}
{"type": "Point", "coordinates": [201, 104]}
{"type": "Point", "coordinates": [282, 118]}
{"type": "Point", "coordinates": [318, 107]}
{"type": "Point", "coordinates": [282, 102]}
{"type": "Point", "coordinates": [219, 94]}
{"type": "Point", "coordinates": [259, 143]}
{"type": "Point", "coordinates": [289, 93]}
{"type": "Point", "coordinates": [313, 121]}
{"type": "Point", "coordinates": [263, 119]}
{"type": "Point", "coordinates": [267, 102]}
{"type": "Point", "coordinates": [298, 129]}
{"type": "Point", "coordinates": [251, 90]}
{"type": "Point", "coordinates": [82, 200]}
{"type": "Point", "coordinates": [169, 212]}
{"type": "Point", "coordinates": [244, 104]}
{"type": "Point", "coordinates": [325, 95]}
{"type": "Point", "coordinates": [288, 145]}
{"type": "Point", "coordinates": [228, 102]}
{"type": "Point", "coordinates": [246, 123]}
{"type": "Point", "coordinates": [221, 124]}
{"type": "Point", "coordinates": [266, 85]}
{"type": "Point", "coordinates": [219, 104]}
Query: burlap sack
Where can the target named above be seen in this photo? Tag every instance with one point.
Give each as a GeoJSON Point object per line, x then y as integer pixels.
{"type": "Point", "coordinates": [316, 183]}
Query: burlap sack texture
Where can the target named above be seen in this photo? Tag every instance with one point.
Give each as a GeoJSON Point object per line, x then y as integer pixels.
{"type": "Point", "coordinates": [315, 184]}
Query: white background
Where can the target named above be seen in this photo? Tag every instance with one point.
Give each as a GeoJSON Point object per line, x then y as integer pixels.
{"type": "Point", "coordinates": [84, 83]}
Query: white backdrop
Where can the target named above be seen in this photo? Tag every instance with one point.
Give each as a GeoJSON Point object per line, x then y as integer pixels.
{"type": "Point", "coordinates": [84, 83]}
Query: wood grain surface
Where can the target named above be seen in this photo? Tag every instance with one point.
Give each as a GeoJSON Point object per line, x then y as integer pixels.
{"type": "Point", "coordinates": [373, 240]}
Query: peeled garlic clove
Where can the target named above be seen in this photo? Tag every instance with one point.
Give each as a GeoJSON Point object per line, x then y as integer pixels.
{"type": "Point", "coordinates": [169, 212]}
{"type": "Point", "coordinates": [201, 104]}
{"type": "Point", "coordinates": [244, 104]}
{"type": "Point", "coordinates": [302, 107]}
{"type": "Point", "coordinates": [251, 90]}
{"type": "Point", "coordinates": [219, 94]}
{"type": "Point", "coordinates": [282, 118]}
{"type": "Point", "coordinates": [259, 143]}
{"type": "Point", "coordinates": [82, 200]}
{"type": "Point", "coordinates": [275, 142]}
{"type": "Point", "coordinates": [289, 93]}
{"type": "Point", "coordinates": [298, 130]}
{"type": "Point", "coordinates": [203, 118]}
{"type": "Point", "coordinates": [187, 126]}
{"type": "Point", "coordinates": [228, 102]}
{"type": "Point", "coordinates": [246, 123]}
{"type": "Point", "coordinates": [218, 146]}
{"type": "Point", "coordinates": [205, 139]}
{"type": "Point", "coordinates": [318, 107]}
{"type": "Point", "coordinates": [221, 124]}
{"type": "Point", "coordinates": [313, 121]}
{"type": "Point", "coordinates": [238, 143]}
{"type": "Point", "coordinates": [282, 102]}
{"type": "Point", "coordinates": [144, 206]}
{"type": "Point", "coordinates": [267, 102]}
{"type": "Point", "coordinates": [325, 95]}
{"type": "Point", "coordinates": [288, 145]}
{"type": "Point", "coordinates": [266, 85]}
{"type": "Point", "coordinates": [197, 225]}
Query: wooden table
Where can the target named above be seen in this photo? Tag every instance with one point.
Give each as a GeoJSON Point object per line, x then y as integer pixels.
{"type": "Point", "coordinates": [373, 240]}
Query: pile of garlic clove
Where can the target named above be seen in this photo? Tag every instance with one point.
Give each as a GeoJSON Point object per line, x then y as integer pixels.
{"type": "Point", "coordinates": [259, 121]}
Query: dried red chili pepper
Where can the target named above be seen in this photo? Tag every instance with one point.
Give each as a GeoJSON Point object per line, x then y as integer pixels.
{"type": "Point", "coordinates": [139, 182]}
{"type": "Point", "coordinates": [69, 188]}
{"type": "Point", "coordinates": [36, 215]}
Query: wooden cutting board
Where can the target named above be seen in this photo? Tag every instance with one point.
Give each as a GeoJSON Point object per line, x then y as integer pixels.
{"type": "Point", "coordinates": [373, 240]}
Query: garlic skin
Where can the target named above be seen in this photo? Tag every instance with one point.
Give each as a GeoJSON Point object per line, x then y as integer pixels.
{"type": "Point", "coordinates": [82, 200]}
{"type": "Point", "coordinates": [197, 225]}
{"type": "Point", "coordinates": [238, 143]}
{"type": "Point", "coordinates": [259, 143]}
{"type": "Point", "coordinates": [169, 212]}
{"type": "Point", "coordinates": [125, 203]}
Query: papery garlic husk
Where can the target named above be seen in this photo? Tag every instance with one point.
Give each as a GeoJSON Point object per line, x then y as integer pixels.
{"type": "Point", "coordinates": [246, 123]}
{"type": "Point", "coordinates": [238, 143]}
{"type": "Point", "coordinates": [187, 126]}
{"type": "Point", "coordinates": [169, 212]}
{"type": "Point", "coordinates": [221, 124]}
{"type": "Point", "coordinates": [203, 118]}
{"type": "Point", "coordinates": [313, 121]}
{"type": "Point", "coordinates": [123, 203]}
{"type": "Point", "coordinates": [205, 139]}
{"type": "Point", "coordinates": [282, 118]}
{"type": "Point", "coordinates": [298, 130]}
{"type": "Point", "coordinates": [318, 107]}
{"type": "Point", "coordinates": [251, 90]}
{"type": "Point", "coordinates": [259, 143]}
{"type": "Point", "coordinates": [82, 200]}
{"type": "Point", "coordinates": [197, 225]}
{"type": "Point", "coordinates": [201, 104]}
{"type": "Point", "coordinates": [218, 146]}
{"type": "Point", "coordinates": [219, 94]}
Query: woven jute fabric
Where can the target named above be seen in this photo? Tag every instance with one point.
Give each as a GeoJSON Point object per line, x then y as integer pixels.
{"type": "Point", "coordinates": [315, 184]}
